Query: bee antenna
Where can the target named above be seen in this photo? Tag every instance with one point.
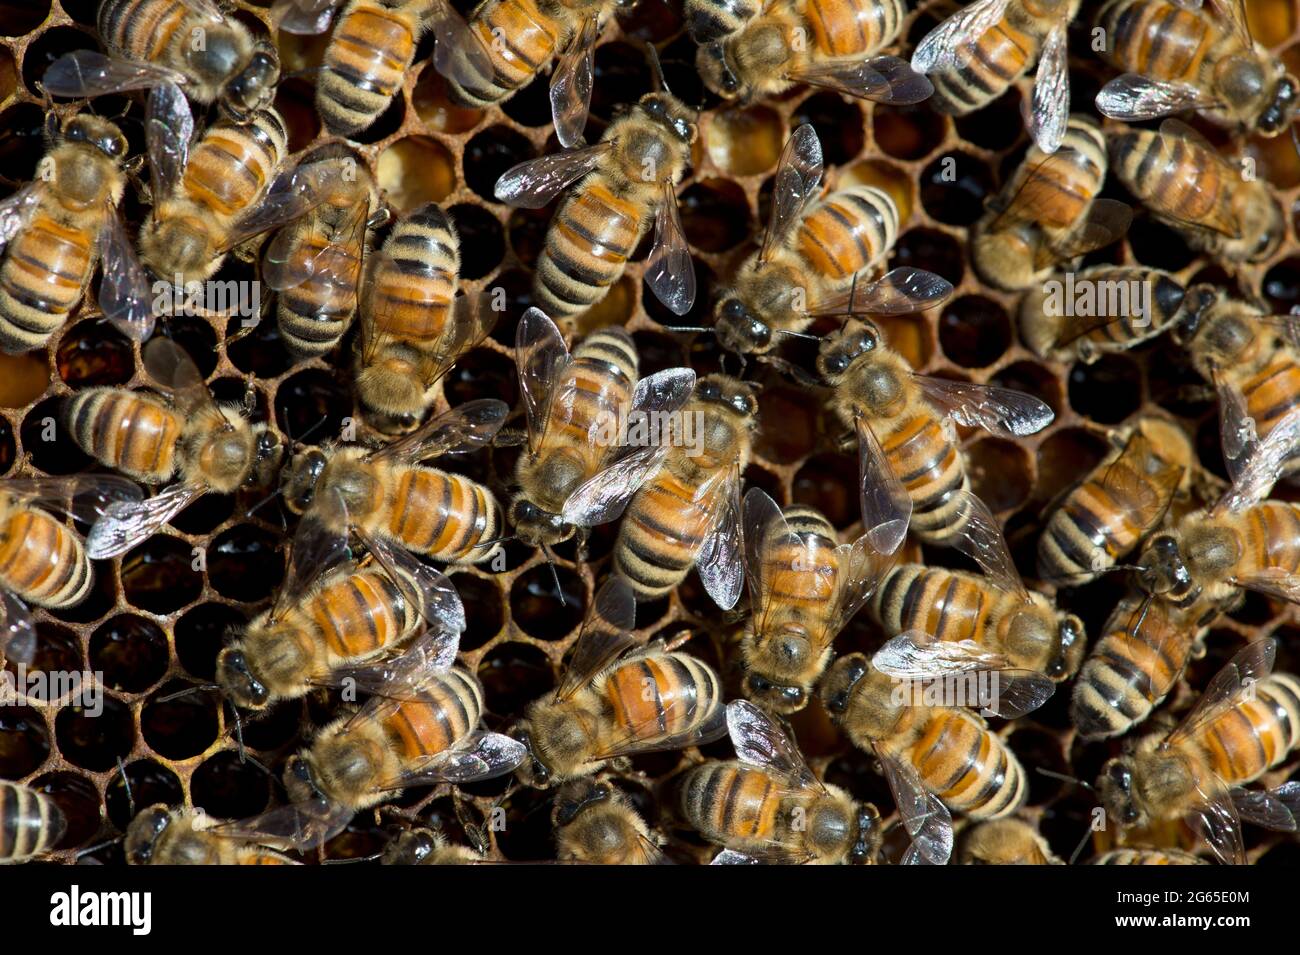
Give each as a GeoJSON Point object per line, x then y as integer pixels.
{"type": "Point", "coordinates": [373, 857]}
{"type": "Point", "coordinates": [657, 67]}
{"type": "Point", "coordinates": [196, 688]}
{"type": "Point", "coordinates": [1295, 137]}
{"type": "Point", "coordinates": [689, 329]}
{"type": "Point", "coordinates": [555, 574]}
{"type": "Point", "coordinates": [803, 335]}
{"type": "Point", "coordinates": [1087, 835]}
{"type": "Point", "coordinates": [1062, 777]}
{"type": "Point", "coordinates": [126, 784]}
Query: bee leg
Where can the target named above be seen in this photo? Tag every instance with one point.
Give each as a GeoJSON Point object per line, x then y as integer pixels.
{"type": "Point", "coordinates": [510, 438]}
{"type": "Point", "coordinates": [126, 784]}
{"type": "Point", "coordinates": [582, 538]}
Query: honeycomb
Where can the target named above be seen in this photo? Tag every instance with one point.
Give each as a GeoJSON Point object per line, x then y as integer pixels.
{"type": "Point", "coordinates": [154, 623]}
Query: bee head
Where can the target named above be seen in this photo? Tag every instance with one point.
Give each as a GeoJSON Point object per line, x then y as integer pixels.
{"type": "Point", "coordinates": [254, 86]}
{"type": "Point", "coordinates": [783, 698]}
{"type": "Point", "coordinates": [1196, 305]}
{"type": "Point", "coordinates": [238, 682]}
{"type": "Point", "coordinates": [576, 796]}
{"type": "Point", "coordinates": [1070, 644]}
{"type": "Point", "coordinates": [268, 454]}
{"type": "Point", "coordinates": [716, 71]}
{"type": "Point", "coordinates": [144, 833]}
{"type": "Point", "coordinates": [667, 111]}
{"type": "Point", "coordinates": [1279, 113]}
{"type": "Point", "coordinates": [411, 847]}
{"type": "Point", "coordinates": [299, 481]}
{"type": "Point", "coordinates": [533, 771]}
{"type": "Point", "coordinates": [867, 844]}
{"type": "Point", "coordinates": [1115, 786]}
{"type": "Point", "coordinates": [730, 393]}
{"type": "Point", "coordinates": [1164, 571]}
{"type": "Point", "coordinates": [840, 350]}
{"type": "Point", "coordinates": [536, 526]}
{"type": "Point", "coordinates": [97, 132]}
{"type": "Point", "coordinates": [841, 681]}
{"type": "Point", "coordinates": [739, 330]}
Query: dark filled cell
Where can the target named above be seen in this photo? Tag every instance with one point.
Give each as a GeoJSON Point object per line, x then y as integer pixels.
{"type": "Point", "coordinates": [931, 250]}
{"type": "Point", "coordinates": [130, 651]}
{"type": "Point", "coordinates": [24, 741]}
{"type": "Point", "coordinates": [22, 141]}
{"type": "Point", "coordinates": [147, 784]}
{"type": "Point", "coordinates": [480, 374]}
{"type": "Point", "coordinates": [245, 563]}
{"type": "Point", "coordinates": [907, 132]}
{"type": "Point", "coordinates": [229, 789]}
{"type": "Point", "coordinates": [310, 406]}
{"type": "Point", "coordinates": [94, 734]}
{"type": "Point", "coordinates": [1282, 285]}
{"type": "Point", "coordinates": [483, 610]}
{"type": "Point", "coordinates": [954, 188]}
{"type": "Point", "coordinates": [537, 607]}
{"type": "Point", "coordinates": [482, 242]}
{"type": "Point", "coordinates": [839, 125]}
{"type": "Point", "coordinates": [77, 800]}
{"type": "Point", "coordinates": [1108, 391]}
{"type": "Point", "coordinates": [513, 675]}
{"type": "Point", "coordinates": [201, 633]}
{"type": "Point", "coordinates": [259, 350]}
{"type": "Point", "coordinates": [974, 331]}
{"type": "Point", "coordinates": [48, 46]}
{"type": "Point", "coordinates": [531, 106]}
{"type": "Point", "coordinates": [94, 353]}
{"type": "Point", "coordinates": [179, 720]}
{"type": "Point", "coordinates": [159, 575]}
{"type": "Point", "coordinates": [715, 215]}
{"type": "Point", "coordinates": [828, 482]}
{"type": "Point", "coordinates": [490, 153]}
{"type": "Point", "coordinates": [48, 442]}
{"type": "Point", "coordinates": [996, 126]}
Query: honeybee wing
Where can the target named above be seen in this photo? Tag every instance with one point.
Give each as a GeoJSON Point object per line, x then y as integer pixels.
{"type": "Point", "coordinates": [925, 818]}
{"type": "Point", "coordinates": [1029, 203]}
{"type": "Point", "coordinates": [1001, 411]}
{"type": "Point", "coordinates": [169, 127]}
{"type": "Point", "coordinates": [981, 540]}
{"type": "Point", "coordinates": [1009, 692]}
{"type": "Point", "coordinates": [1106, 221]}
{"type": "Point", "coordinates": [899, 291]}
{"type": "Point", "coordinates": [861, 569]}
{"type": "Point", "coordinates": [428, 590]}
{"type": "Point", "coordinates": [17, 630]}
{"type": "Point", "coordinates": [84, 74]}
{"type": "Point", "coordinates": [319, 545]}
{"type": "Point", "coordinates": [83, 497]}
{"type": "Point", "coordinates": [764, 528]}
{"type": "Point", "coordinates": [1223, 219]}
{"type": "Point", "coordinates": [1272, 582]}
{"type": "Point", "coordinates": [481, 755]}
{"type": "Point", "coordinates": [949, 44]}
{"type": "Point", "coordinates": [761, 743]}
{"type": "Point", "coordinates": [304, 17]}
{"type": "Point", "coordinates": [532, 184]}
{"type": "Point", "coordinates": [292, 195]}
{"type": "Point", "coordinates": [1230, 685]}
{"type": "Point", "coordinates": [1133, 98]}
{"type": "Point", "coordinates": [336, 262]}
{"type": "Point", "coordinates": [797, 177]}
{"type": "Point", "coordinates": [886, 505]}
{"type": "Point", "coordinates": [398, 676]}
{"type": "Point", "coordinates": [541, 358]}
{"type": "Point", "coordinates": [1261, 462]}
{"type": "Point", "coordinates": [128, 523]}
{"type": "Point", "coordinates": [644, 735]}
{"type": "Point", "coordinates": [605, 636]}
{"type": "Point", "coordinates": [471, 322]}
{"type": "Point", "coordinates": [125, 294]}
{"type": "Point", "coordinates": [603, 497]}
{"type": "Point", "coordinates": [882, 79]}
{"type": "Point", "coordinates": [1263, 807]}
{"type": "Point", "coordinates": [721, 563]}
{"type": "Point", "coordinates": [1214, 815]}
{"type": "Point", "coordinates": [1144, 501]}
{"type": "Point", "coordinates": [1234, 11]}
{"type": "Point", "coordinates": [571, 85]}
{"type": "Point", "coordinates": [16, 211]}
{"type": "Point", "coordinates": [299, 826]}
{"type": "Point", "coordinates": [1238, 436]}
{"type": "Point", "coordinates": [1050, 110]}
{"type": "Point", "coordinates": [732, 857]}
{"type": "Point", "coordinates": [669, 271]}
{"type": "Point", "coordinates": [174, 372]}
{"type": "Point", "coordinates": [459, 54]}
{"type": "Point", "coordinates": [464, 428]}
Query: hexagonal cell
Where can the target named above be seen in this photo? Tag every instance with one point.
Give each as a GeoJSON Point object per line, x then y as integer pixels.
{"type": "Point", "coordinates": [700, 314]}
{"type": "Point", "coordinates": [58, 655]}
{"type": "Point", "coordinates": [24, 145]}
{"type": "Point", "coordinates": [828, 482]}
{"type": "Point", "coordinates": [1276, 160]}
{"type": "Point", "coordinates": [908, 132]}
{"type": "Point", "coordinates": [201, 633]}
{"type": "Point", "coordinates": [8, 75]}
{"type": "Point", "coordinates": [227, 788]}
{"type": "Point", "coordinates": [415, 170]}
{"type": "Point", "coordinates": [177, 723]}
{"type": "Point", "coordinates": [8, 450]}
{"type": "Point", "coordinates": [311, 405]}
{"type": "Point", "coordinates": [513, 675]}
{"type": "Point", "coordinates": [839, 125]}
{"type": "Point", "coordinates": [1157, 245]}
{"type": "Point", "coordinates": [295, 99]}
{"type": "Point", "coordinates": [130, 651]}
{"type": "Point", "coordinates": [480, 373]}
{"type": "Point", "coordinates": [484, 609]}
{"type": "Point", "coordinates": [996, 126]}
{"type": "Point", "coordinates": [489, 153]}
{"type": "Point", "coordinates": [482, 240]}
{"type": "Point", "coordinates": [536, 605]}
{"type": "Point", "coordinates": [622, 76]}
{"type": "Point", "coordinates": [24, 741]}
{"type": "Point", "coordinates": [436, 110]}
{"type": "Point", "coordinates": [159, 576]}
{"type": "Point", "coordinates": [1109, 390]}
{"type": "Point", "coordinates": [955, 187]}
{"type": "Point", "coordinates": [657, 352]}
{"type": "Point", "coordinates": [1033, 379]}
{"type": "Point", "coordinates": [932, 250]}
{"type": "Point", "coordinates": [245, 563]}
{"type": "Point", "coordinates": [1065, 457]}
{"type": "Point", "coordinates": [527, 230]}
{"type": "Point", "coordinates": [94, 353]}
{"type": "Point", "coordinates": [147, 783]}
{"type": "Point", "coordinates": [95, 734]}
{"type": "Point", "coordinates": [98, 602]}
{"type": "Point", "coordinates": [1002, 473]}
{"type": "Point", "coordinates": [974, 331]}
{"type": "Point", "coordinates": [23, 379]}
{"type": "Point", "coordinates": [745, 140]}
{"type": "Point", "coordinates": [47, 47]}
{"type": "Point", "coordinates": [715, 215]}
{"type": "Point", "coordinates": [1281, 285]}
{"type": "Point", "coordinates": [796, 437]}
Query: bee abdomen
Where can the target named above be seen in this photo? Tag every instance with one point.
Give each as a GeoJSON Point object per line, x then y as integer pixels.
{"type": "Point", "coordinates": [365, 63]}
{"type": "Point", "coordinates": [659, 696]}
{"type": "Point", "coordinates": [520, 40]}
{"type": "Point", "coordinates": [42, 560]}
{"type": "Point", "coordinates": [656, 545]}
{"type": "Point", "coordinates": [360, 614]}
{"type": "Point", "coordinates": [968, 767]}
{"type": "Point", "coordinates": [587, 247]}
{"type": "Point", "coordinates": [614, 346]}
{"type": "Point", "coordinates": [999, 57]}
{"type": "Point", "coordinates": [848, 231]}
{"type": "Point", "coordinates": [125, 430]}
{"type": "Point", "coordinates": [1146, 857]}
{"type": "Point", "coordinates": [30, 823]}
{"type": "Point", "coordinates": [413, 284]}
{"type": "Point", "coordinates": [728, 803]}
{"type": "Point", "coordinates": [444, 515]}
{"type": "Point", "coordinates": [848, 28]}
{"type": "Point", "coordinates": [1156, 39]}
{"type": "Point", "coordinates": [232, 166]}
{"type": "Point", "coordinates": [141, 29]}
{"type": "Point", "coordinates": [46, 269]}
{"type": "Point", "coordinates": [449, 708]}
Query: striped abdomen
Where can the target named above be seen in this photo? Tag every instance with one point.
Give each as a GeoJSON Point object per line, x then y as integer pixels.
{"type": "Point", "coordinates": [801, 573]}
{"type": "Point", "coordinates": [1146, 857]}
{"type": "Point", "coordinates": [30, 823]}
{"type": "Point", "coordinates": [126, 430]}
{"type": "Point", "coordinates": [658, 696]}
{"type": "Point", "coordinates": [1244, 742]}
{"type": "Point", "coordinates": [412, 283]}
{"type": "Point", "coordinates": [147, 30]}
{"type": "Point", "coordinates": [520, 40]}
{"type": "Point", "coordinates": [1132, 667]}
{"type": "Point", "coordinates": [924, 457]}
{"type": "Point", "coordinates": [593, 234]}
{"type": "Point", "coordinates": [1157, 39]}
{"type": "Point", "coordinates": [365, 63]}
{"type": "Point", "coordinates": [450, 707]}
{"type": "Point", "coordinates": [1272, 393]}
{"type": "Point", "coordinates": [360, 614]}
{"type": "Point", "coordinates": [42, 560]}
{"type": "Point", "coordinates": [946, 604]}
{"type": "Point", "coordinates": [444, 516]}
{"type": "Point", "coordinates": [847, 232]}
{"type": "Point", "coordinates": [1174, 177]}
{"type": "Point", "coordinates": [1270, 538]}
{"type": "Point", "coordinates": [732, 804]}
{"type": "Point", "coordinates": [46, 268]}
{"type": "Point", "coordinates": [844, 28]}
{"type": "Point", "coordinates": [661, 534]}
{"type": "Point", "coordinates": [1065, 187]}
{"type": "Point", "coordinates": [997, 58]}
{"type": "Point", "coordinates": [231, 167]}
{"type": "Point", "coordinates": [967, 767]}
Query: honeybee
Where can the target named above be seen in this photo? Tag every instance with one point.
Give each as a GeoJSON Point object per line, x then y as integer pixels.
{"type": "Point", "coordinates": [30, 823]}
{"type": "Point", "coordinates": [1005, 842]}
{"type": "Point", "coordinates": [1189, 185]}
{"type": "Point", "coordinates": [630, 176]}
{"type": "Point", "coordinates": [578, 471]}
{"type": "Point", "coordinates": [1143, 650]}
{"type": "Point", "coordinates": [1099, 310]}
{"type": "Point", "coordinates": [1050, 212]}
{"type": "Point", "coordinates": [808, 261]}
{"type": "Point", "coordinates": [42, 560]}
{"type": "Point", "coordinates": [1177, 58]}
{"type": "Point", "coordinates": [767, 806]}
{"type": "Point", "coordinates": [710, 20]}
{"type": "Point", "coordinates": [314, 263]}
{"type": "Point", "coordinates": [688, 513]}
{"type": "Point", "coordinates": [420, 728]}
{"type": "Point", "coordinates": [912, 471]}
{"type": "Point", "coordinates": [1102, 518]}
{"type": "Point", "coordinates": [935, 758]}
{"type": "Point", "coordinates": [212, 448]}
{"type": "Point", "coordinates": [385, 495]}
{"type": "Point", "coordinates": [1146, 857]}
{"type": "Point", "coordinates": [596, 825]}
{"type": "Point", "coordinates": [1242, 541]}
{"type": "Point", "coordinates": [804, 587]}
{"type": "Point", "coordinates": [54, 230]}
{"type": "Point", "coordinates": [975, 55]}
{"type": "Point", "coordinates": [188, 45]}
{"type": "Point", "coordinates": [821, 43]}
{"type": "Point", "coordinates": [612, 702]}
{"type": "Point", "coordinates": [328, 619]}
{"type": "Point", "coordinates": [413, 325]}
{"type": "Point", "coordinates": [1246, 722]}
{"type": "Point", "coordinates": [371, 51]}
{"type": "Point", "coordinates": [427, 847]}
{"type": "Point", "coordinates": [163, 836]}
{"type": "Point", "coordinates": [990, 620]}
